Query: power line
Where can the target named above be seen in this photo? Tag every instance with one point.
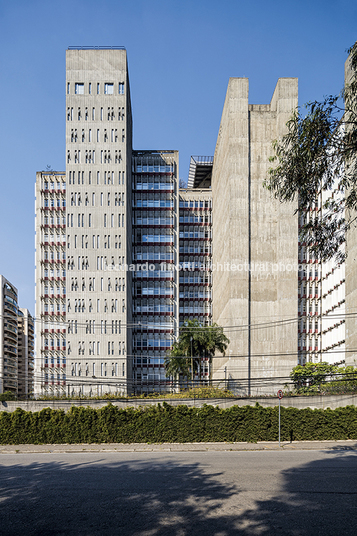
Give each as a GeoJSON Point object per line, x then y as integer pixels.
{"type": "Point", "coordinates": [259, 325]}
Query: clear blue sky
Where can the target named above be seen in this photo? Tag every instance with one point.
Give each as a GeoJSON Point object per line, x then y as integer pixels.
{"type": "Point", "coordinates": [181, 54]}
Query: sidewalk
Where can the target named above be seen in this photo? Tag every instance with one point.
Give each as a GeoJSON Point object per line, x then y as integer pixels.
{"type": "Point", "coordinates": [180, 447]}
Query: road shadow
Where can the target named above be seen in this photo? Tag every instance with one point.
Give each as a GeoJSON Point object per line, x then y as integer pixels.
{"type": "Point", "coordinates": [318, 498]}
{"type": "Point", "coordinates": [133, 498]}
{"type": "Point", "coordinates": [160, 497]}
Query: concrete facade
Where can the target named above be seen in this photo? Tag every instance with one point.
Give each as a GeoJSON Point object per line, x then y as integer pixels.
{"type": "Point", "coordinates": [104, 325]}
{"type": "Point", "coordinates": [299, 402]}
{"type": "Point", "coordinates": [255, 241]}
{"type": "Point", "coordinates": [98, 171]}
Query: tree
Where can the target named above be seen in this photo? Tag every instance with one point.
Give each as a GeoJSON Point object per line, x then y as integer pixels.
{"type": "Point", "coordinates": [7, 396]}
{"type": "Point", "coordinates": [195, 341]}
{"type": "Point", "coordinates": [310, 375]}
{"type": "Point", "coordinates": [317, 155]}
{"type": "Point", "coordinates": [324, 378]}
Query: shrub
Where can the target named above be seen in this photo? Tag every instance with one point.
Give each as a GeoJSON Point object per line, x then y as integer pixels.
{"type": "Point", "coordinates": [181, 424]}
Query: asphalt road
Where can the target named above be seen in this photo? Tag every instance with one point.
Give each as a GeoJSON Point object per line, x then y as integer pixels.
{"type": "Point", "coordinates": [294, 493]}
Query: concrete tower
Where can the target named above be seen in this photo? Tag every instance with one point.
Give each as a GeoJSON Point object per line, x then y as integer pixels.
{"type": "Point", "coordinates": [255, 241]}
{"type": "Point", "coordinates": [98, 171]}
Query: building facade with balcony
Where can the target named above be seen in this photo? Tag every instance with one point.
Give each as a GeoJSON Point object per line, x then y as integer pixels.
{"type": "Point", "coordinates": [321, 304]}
{"type": "Point", "coordinates": [155, 258]}
{"type": "Point", "coordinates": [26, 338]}
{"type": "Point", "coordinates": [8, 337]}
{"type": "Point", "coordinates": [50, 283]}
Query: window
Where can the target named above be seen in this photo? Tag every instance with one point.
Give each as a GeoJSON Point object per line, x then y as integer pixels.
{"type": "Point", "coordinates": [108, 89]}
{"type": "Point", "coordinates": [121, 88]}
{"type": "Point", "coordinates": [79, 89]}
{"type": "Point", "coordinates": [90, 88]}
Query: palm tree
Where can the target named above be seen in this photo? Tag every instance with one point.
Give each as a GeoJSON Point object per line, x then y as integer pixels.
{"type": "Point", "coordinates": [216, 341]}
{"type": "Point", "coordinates": [195, 342]}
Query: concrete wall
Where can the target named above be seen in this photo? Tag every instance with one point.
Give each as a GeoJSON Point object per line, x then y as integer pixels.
{"type": "Point", "coordinates": [299, 402]}
{"type": "Point", "coordinates": [250, 229]}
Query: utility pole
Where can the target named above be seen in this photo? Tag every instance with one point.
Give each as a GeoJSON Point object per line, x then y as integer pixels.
{"type": "Point", "coordinates": [191, 338]}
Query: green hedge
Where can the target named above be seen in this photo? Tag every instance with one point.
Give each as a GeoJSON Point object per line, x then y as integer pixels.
{"type": "Point", "coordinates": [165, 423]}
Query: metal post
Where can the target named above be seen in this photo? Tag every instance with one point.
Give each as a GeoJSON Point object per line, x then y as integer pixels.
{"type": "Point", "coordinates": [249, 257]}
{"type": "Point", "coordinates": [279, 422]}
{"type": "Point", "coordinates": [191, 364]}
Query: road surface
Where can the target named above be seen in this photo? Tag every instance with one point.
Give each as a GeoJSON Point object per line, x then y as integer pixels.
{"type": "Point", "coordinates": [216, 493]}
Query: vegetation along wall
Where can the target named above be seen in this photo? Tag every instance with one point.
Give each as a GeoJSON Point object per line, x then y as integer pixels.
{"type": "Point", "coordinates": [165, 423]}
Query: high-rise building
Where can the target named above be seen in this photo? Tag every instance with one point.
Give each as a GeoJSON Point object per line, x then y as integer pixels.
{"type": "Point", "coordinates": [195, 250]}
{"type": "Point", "coordinates": [124, 257]}
{"type": "Point", "coordinates": [25, 349]}
{"type": "Point", "coordinates": [8, 337]}
{"type": "Point", "coordinates": [50, 283]}
{"type": "Point", "coordinates": [255, 243]}
{"type": "Point", "coordinates": [155, 257]}
{"type": "Point", "coordinates": [99, 227]}
{"type": "Point", "coordinates": [321, 301]}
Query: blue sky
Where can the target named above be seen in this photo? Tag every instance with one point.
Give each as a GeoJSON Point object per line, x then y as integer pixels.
{"type": "Point", "coordinates": [181, 54]}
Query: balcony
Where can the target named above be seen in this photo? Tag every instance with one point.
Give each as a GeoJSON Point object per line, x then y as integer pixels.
{"type": "Point", "coordinates": [8, 307]}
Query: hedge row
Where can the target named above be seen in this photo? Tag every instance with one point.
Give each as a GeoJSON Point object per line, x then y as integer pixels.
{"type": "Point", "coordinates": [165, 423]}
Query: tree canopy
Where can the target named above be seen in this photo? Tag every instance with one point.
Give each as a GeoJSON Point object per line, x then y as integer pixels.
{"type": "Point", "coordinates": [316, 157]}
{"type": "Point", "coordinates": [324, 377]}
{"type": "Point", "coordinates": [195, 341]}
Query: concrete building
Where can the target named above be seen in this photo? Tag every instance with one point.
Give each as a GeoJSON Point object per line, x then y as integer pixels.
{"type": "Point", "coordinates": [255, 243]}
{"type": "Point", "coordinates": [111, 220]}
{"type": "Point", "coordinates": [25, 349]}
{"type": "Point", "coordinates": [123, 208]}
{"type": "Point", "coordinates": [8, 337]}
{"type": "Point", "coordinates": [124, 257]}
{"type": "Point", "coordinates": [99, 227]}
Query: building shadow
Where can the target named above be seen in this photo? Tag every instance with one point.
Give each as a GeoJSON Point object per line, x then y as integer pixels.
{"type": "Point", "coordinates": [139, 497]}
{"type": "Point", "coordinates": [316, 498]}
{"type": "Point", "coordinates": [161, 497]}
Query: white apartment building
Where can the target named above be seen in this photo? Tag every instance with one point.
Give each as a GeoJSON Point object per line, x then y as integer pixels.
{"type": "Point", "coordinates": [50, 281]}
{"type": "Point", "coordinates": [321, 297]}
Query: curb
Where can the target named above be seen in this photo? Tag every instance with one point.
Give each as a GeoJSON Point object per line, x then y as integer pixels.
{"type": "Point", "coordinates": [339, 445]}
